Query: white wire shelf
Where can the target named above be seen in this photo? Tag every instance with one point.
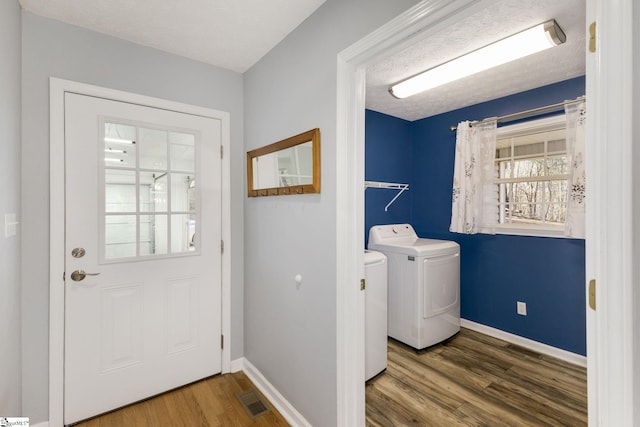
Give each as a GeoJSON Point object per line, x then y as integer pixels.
{"type": "Point", "coordinates": [390, 186]}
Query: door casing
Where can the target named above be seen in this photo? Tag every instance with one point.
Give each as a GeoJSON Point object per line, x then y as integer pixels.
{"type": "Point", "coordinates": [57, 88]}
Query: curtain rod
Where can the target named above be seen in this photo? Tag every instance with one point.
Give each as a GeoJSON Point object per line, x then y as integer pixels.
{"type": "Point", "coordinates": [525, 113]}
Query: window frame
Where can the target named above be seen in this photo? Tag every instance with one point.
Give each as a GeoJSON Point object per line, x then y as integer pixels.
{"type": "Point", "coordinates": [508, 131]}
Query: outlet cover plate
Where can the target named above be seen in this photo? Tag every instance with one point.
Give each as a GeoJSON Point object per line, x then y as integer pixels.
{"type": "Point", "coordinates": [522, 308]}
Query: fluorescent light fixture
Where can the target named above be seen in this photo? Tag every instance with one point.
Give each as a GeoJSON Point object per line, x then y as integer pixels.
{"type": "Point", "coordinates": [114, 151]}
{"type": "Point", "coordinates": [535, 39]}
{"type": "Point", "coordinates": [119, 141]}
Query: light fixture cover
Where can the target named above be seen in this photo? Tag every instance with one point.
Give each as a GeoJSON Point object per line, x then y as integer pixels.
{"type": "Point", "coordinates": [119, 140]}
{"type": "Point", "coordinates": [527, 42]}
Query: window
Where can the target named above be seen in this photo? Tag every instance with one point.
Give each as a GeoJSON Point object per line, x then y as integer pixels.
{"type": "Point", "coordinates": [532, 177]}
{"type": "Point", "coordinates": [149, 193]}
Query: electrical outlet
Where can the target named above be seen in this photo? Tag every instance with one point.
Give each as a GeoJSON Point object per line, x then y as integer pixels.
{"type": "Point", "coordinates": [522, 308]}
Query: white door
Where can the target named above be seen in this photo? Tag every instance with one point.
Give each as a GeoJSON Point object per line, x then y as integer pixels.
{"type": "Point", "coordinates": [143, 220]}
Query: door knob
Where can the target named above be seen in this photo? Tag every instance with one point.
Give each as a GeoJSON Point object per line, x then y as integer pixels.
{"type": "Point", "coordinates": [79, 275]}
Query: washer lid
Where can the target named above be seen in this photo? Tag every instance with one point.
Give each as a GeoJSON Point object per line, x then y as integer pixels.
{"type": "Point", "coordinates": [373, 257]}
{"type": "Point", "coordinates": [417, 247]}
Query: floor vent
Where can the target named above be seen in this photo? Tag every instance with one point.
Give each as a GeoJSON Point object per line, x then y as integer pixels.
{"type": "Point", "coordinates": [252, 403]}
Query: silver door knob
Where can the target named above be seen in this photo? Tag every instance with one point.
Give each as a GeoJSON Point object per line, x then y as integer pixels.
{"type": "Point", "coordinates": [79, 275]}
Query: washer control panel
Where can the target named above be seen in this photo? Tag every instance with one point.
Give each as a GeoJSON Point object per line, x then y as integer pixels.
{"type": "Point", "coordinates": [382, 233]}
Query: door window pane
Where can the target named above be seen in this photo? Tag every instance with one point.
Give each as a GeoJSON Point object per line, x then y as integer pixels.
{"type": "Point", "coordinates": [119, 145]}
{"type": "Point", "coordinates": [153, 192]}
{"type": "Point", "coordinates": [182, 192]}
{"type": "Point", "coordinates": [183, 153]}
{"type": "Point", "coordinates": [120, 236]}
{"type": "Point", "coordinates": [153, 149]}
{"type": "Point", "coordinates": [119, 190]}
{"type": "Point", "coordinates": [153, 234]}
{"type": "Point", "coordinates": [183, 233]}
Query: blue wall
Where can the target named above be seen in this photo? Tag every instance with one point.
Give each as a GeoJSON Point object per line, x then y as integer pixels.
{"type": "Point", "coordinates": [387, 159]}
{"type": "Point", "coordinates": [496, 270]}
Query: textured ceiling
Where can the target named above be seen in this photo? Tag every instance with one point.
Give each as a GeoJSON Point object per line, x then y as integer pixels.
{"type": "Point", "coordinates": [235, 34]}
{"type": "Point", "coordinates": [504, 18]}
{"type": "Point", "coordinates": [232, 34]}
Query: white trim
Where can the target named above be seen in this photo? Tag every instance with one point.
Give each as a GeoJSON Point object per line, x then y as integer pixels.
{"type": "Point", "coordinates": [567, 356]}
{"type": "Point", "coordinates": [591, 230]}
{"type": "Point", "coordinates": [56, 255]}
{"type": "Point", "coordinates": [546, 124]}
{"type": "Point", "coordinates": [41, 424]}
{"type": "Point", "coordinates": [426, 17]}
{"type": "Point", "coordinates": [612, 362]}
{"type": "Point", "coordinates": [237, 365]}
{"type": "Point", "coordinates": [526, 230]}
{"type": "Point", "coordinates": [56, 223]}
{"type": "Point", "coordinates": [283, 406]}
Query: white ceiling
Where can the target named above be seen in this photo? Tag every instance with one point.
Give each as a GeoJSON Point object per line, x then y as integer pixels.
{"type": "Point", "coordinates": [504, 18]}
{"type": "Point", "coordinates": [232, 34]}
{"type": "Point", "coordinates": [235, 34]}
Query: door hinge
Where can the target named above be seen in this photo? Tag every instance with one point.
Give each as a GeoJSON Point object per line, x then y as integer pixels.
{"type": "Point", "coordinates": [221, 246]}
{"type": "Point", "coordinates": [592, 37]}
{"type": "Point", "coordinates": [221, 341]}
{"type": "Point", "coordinates": [64, 276]}
{"type": "Point", "coordinates": [592, 294]}
{"type": "Point", "coordinates": [221, 151]}
{"type": "Point", "coordinates": [362, 284]}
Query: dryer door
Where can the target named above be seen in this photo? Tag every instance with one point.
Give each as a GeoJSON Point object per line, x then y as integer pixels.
{"type": "Point", "coordinates": [441, 281]}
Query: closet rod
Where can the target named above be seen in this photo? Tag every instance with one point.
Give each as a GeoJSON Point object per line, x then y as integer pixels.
{"type": "Point", "coordinates": [525, 113]}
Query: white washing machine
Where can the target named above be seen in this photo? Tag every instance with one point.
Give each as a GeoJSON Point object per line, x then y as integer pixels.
{"type": "Point", "coordinates": [424, 285]}
{"type": "Point", "coordinates": [375, 313]}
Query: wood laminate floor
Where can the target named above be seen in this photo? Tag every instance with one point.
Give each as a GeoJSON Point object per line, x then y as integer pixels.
{"type": "Point", "coordinates": [476, 380]}
{"type": "Point", "coordinates": [470, 380]}
{"type": "Point", "coordinates": [207, 403]}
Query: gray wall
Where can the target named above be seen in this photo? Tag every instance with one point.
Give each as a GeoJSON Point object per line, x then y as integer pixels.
{"type": "Point", "coordinates": [51, 48]}
{"type": "Point", "coordinates": [290, 331]}
{"type": "Point", "coordinates": [10, 382]}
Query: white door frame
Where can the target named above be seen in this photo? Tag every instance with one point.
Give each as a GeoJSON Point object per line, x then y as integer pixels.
{"type": "Point", "coordinates": [609, 255]}
{"type": "Point", "coordinates": [57, 88]}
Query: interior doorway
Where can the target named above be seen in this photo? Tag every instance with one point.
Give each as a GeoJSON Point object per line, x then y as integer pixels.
{"type": "Point", "coordinates": [609, 335]}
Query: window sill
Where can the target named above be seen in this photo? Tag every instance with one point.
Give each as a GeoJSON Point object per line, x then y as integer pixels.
{"type": "Point", "coordinates": [526, 230]}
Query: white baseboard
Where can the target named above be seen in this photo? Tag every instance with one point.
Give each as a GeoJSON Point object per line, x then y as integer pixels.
{"type": "Point", "coordinates": [567, 356]}
{"type": "Point", "coordinates": [40, 424]}
{"type": "Point", "coordinates": [236, 365]}
{"type": "Point", "coordinates": [283, 406]}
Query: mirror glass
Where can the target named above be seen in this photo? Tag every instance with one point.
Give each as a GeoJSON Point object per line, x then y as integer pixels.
{"type": "Point", "coordinates": [284, 168]}
{"type": "Point", "coordinates": [291, 166]}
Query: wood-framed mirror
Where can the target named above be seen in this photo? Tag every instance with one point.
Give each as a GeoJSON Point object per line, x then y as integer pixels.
{"type": "Point", "coordinates": [290, 166]}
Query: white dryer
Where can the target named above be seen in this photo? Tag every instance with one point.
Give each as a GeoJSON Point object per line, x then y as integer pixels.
{"type": "Point", "coordinates": [424, 285]}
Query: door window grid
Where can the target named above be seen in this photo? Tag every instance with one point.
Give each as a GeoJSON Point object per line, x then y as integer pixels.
{"type": "Point", "coordinates": [150, 211]}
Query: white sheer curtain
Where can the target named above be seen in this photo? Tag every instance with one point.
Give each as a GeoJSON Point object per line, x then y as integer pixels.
{"type": "Point", "coordinates": [473, 179]}
{"type": "Point", "coordinates": [576, 116]}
